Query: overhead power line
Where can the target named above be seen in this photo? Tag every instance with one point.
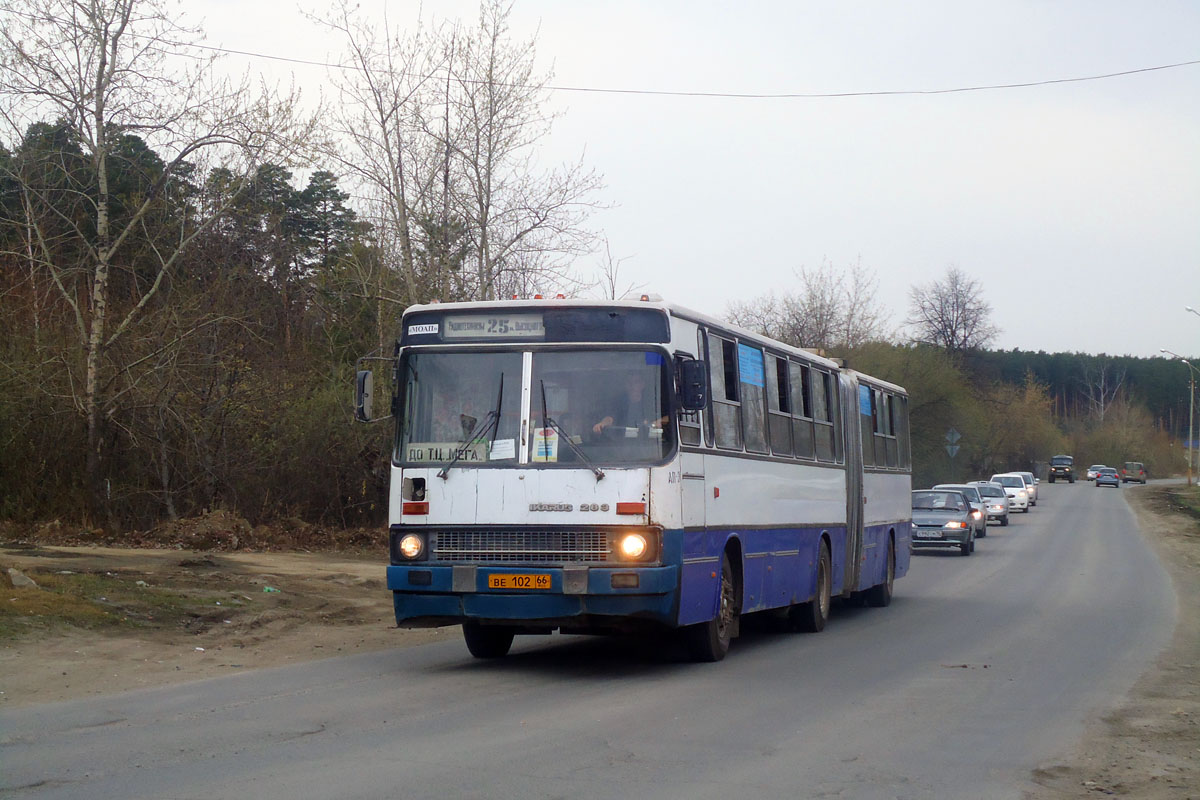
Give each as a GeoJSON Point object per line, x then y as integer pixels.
{"type": "Point", "coordinates": [678, 93]}
{"type": "Point", "coordinates": [744, 95]}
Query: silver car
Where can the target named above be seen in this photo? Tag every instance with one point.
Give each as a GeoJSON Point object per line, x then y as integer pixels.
{"type": "Point", "coordinates": [979, 508]}
{"type": "Point", "coordinates": [942, 518]}
{"type": "Point", "coordinates": [996, 500]}
{"type": "Point", "coordinates": [1031, 484]}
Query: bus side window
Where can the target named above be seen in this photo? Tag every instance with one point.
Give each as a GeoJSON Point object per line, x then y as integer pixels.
{"type": "Point", "coordinates": [902, 434]}
{"type": "Point", "coordinates": [727, 410]}
{"type": "Point", "coordinates": [752, 380]}
{"type": "Point", "coordinates": [893, 448]}
{"type": "Point", "coordinates": [823, 427]}
{"type": "Point", "coordinates": [702, 345]}
{"type": "Point", "coordinates": [689, 421]}
{"type": "Point", "coordinates": [835, 416]}
{"type": "Point", "coordinates": [779, 406]}
{"type": "Point", "coordinates": [866, 417]}
{"type": "Point", "coordinates": [802, 424]}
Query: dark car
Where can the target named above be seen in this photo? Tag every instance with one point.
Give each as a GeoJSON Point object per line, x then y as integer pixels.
{"type": "Point", "coordinates": [1133, 471]}
{"type": "Point", "coordinates": [942, 518]}
{"type": "Point", "coordinates": [1062, 467]}
{"type": "Point", "coordinates": [979, 514]}
{"type": "Point", "coordinates": [995, 500]}
{"type": "Point", "coordinates": [1108, 476]}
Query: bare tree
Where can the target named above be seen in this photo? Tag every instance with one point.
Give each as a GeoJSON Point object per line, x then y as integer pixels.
{"type": "Point", "coordinates": [608, 279]}
{"type": "Point", "coordinates": [1101, 387]}
{"type": "Point", "coordinates": [951, 313]}
{"type": "Point", "coordinates": [833, 310]}
{"type": "Point", "coordinates": [441, 129]}
{"type": "Point", "coordinates": [107, 69]}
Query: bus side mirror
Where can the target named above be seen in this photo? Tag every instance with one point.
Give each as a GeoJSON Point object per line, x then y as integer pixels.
{"type": "Point", "coordinates": [693, 385]}
{"type": "Point", "coordinates": [364, 391]}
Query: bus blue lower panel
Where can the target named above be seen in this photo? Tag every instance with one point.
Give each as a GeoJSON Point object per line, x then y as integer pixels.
{"type": "Point", "coordinates": [428, 592]}
{"type": "Point", "coordinates": [875, 547]}
{"type": "Point", "coordinates": [778, 567]}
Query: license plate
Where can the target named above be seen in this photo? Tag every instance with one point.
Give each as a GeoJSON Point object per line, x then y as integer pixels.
{"type": "Point", "coordinates": [534, 582]}
{"type": "Point", "coordinates": [928, 534]}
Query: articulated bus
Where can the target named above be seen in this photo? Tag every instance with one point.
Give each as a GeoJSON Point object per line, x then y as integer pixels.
{"type": "Point", "coordinates": [619, 466]}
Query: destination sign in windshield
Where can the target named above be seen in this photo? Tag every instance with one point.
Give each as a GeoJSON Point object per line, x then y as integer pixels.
{"type": "Point", "coordinates": [494, 326]}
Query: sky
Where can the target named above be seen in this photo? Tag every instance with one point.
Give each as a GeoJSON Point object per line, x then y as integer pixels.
{"type": "Point", "coordinates": [1075, 205]}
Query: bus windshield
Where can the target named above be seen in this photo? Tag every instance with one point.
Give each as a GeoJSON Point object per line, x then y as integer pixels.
{"type": "Point", "coordinates": [611, 405]}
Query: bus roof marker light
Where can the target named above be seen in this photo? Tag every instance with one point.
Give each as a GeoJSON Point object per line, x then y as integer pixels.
{"type": "Point", "coordinates": [631, 508]}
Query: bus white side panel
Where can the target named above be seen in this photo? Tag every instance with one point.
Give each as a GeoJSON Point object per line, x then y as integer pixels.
{"type": "Point", "coordinates": [744, 492]}
{"type": "Point", "coordinates": [889, 498]}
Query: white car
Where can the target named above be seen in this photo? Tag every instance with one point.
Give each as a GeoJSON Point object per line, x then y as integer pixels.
{"type": "Point", "coordinates": [1093, 471]}
{"type": "Point", "coordinates": [1031, 486]}
{"type": "Point", "coordinates": [1015, 488]}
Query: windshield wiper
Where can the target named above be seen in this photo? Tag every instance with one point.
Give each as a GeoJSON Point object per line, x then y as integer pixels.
{"type": "Point", "coordinates": [490, 421]}
{"type": "Point", "coordinates": [549, 422]}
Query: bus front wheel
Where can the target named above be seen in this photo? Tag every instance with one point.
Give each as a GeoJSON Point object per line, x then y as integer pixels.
{"type": "Point", "coordinates": [709, 641]}
{"type": "Point", "coordinates": [487, 642]}
{"type": "Point", "coordinates": [811, 617]}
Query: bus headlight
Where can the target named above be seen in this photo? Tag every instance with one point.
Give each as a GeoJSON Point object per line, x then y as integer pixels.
{"type": "Point", "coordinates": [633, 546]}
{"type": "Point", "coordinates": [411, 546]}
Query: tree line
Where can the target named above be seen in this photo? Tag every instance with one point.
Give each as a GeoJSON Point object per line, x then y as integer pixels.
{"type": "Point", "coordinates": [190, 265]}
{"type": "Point", "coordinates": [974, 410]}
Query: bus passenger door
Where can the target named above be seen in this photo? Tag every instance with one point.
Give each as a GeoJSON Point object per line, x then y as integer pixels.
{"type": "Point", "coordinates": [697, 592]}
{"type": "Point", "coordinates": [694, 496]}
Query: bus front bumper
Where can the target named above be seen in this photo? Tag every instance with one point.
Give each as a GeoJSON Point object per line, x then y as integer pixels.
{"type": "Point", "coordinates": [427, 595]}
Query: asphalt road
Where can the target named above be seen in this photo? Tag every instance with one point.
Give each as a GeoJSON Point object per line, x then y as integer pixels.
{"type": "Point", "coordinates": [981, 669]}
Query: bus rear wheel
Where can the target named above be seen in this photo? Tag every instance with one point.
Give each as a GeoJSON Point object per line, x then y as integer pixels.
{"type": "Point", "coordinates": [880, 595]}
{"type": "Point", "coordinates": [487, 641]}
{"type": "Point", "coordinates": [811, 617]}
{"type": "Point", "coordinates": [709, 641]}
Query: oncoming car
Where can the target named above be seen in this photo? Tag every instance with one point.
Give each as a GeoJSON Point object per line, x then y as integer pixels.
{"type": "Point", "coordinates": [1014, 487]}
{"type": "Point", "coordinates": [978, 507]}
{"type": "Point", "coordinates": [1093, 470]}
{"type": "Point", "coordinates": [942, 518]}
{"type": "Point", "coordinates": [995, 500]}
{"type": "Point", "coordinates": [1031, 486]}
{"type": "Point", "coordinates": [1062, 467]}
{"type": "Point", "coordinates": [1107, 476]}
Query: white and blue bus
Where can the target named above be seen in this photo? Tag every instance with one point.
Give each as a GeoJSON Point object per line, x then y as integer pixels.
{"type": "Point", "coordinates": [617, 466]}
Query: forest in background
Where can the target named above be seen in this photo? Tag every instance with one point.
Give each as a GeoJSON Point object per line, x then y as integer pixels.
{"type": "Point", "coordinates": [180, 314]}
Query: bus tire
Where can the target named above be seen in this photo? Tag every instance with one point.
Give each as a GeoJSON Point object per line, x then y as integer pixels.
{"type": "Point", "coordinates": [811, 617]}
{"type": "Point", "coordinates": [709, 641]}
{"type": "Point", "coordinates": [880, 595]}
{"type": "Point", "coordinates": [487, 641]}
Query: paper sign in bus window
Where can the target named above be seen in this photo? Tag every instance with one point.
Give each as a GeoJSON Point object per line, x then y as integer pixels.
{"type": "Point", "coordinates": [545, 444]}
{"type": "Point", "coordinates": [750, 365]}
{"type": "Point", "coordinates": [441, 452]}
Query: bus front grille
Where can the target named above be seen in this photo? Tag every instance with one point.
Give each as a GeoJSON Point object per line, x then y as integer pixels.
{"type": "Point", "coordinates": [521, 546]}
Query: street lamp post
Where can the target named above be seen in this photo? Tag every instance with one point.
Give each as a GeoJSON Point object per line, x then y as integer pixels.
{"type": "Point", "coordinates": [1191, 411]}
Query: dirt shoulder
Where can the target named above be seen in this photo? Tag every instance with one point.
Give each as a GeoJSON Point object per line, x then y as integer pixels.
{"type": "Point", "coordinates": [106, 619]}
{"type": "Point", "coordinates": [1148, 747]}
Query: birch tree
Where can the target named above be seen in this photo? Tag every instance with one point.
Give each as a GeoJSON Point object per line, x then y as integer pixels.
{"type": "Point", "coordinates": [107, 70]}
{"type": "Point", "coordinates": [441, 127]}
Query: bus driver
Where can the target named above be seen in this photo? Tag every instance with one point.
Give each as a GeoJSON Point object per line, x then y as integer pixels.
{"type": "Point", "coordinates": [634, 408]}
